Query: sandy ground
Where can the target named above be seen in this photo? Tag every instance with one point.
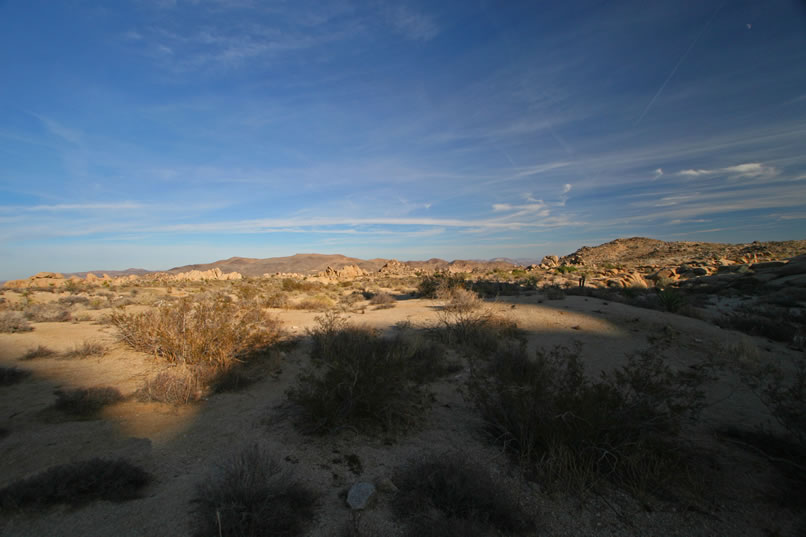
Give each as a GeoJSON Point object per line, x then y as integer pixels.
{"type": "Point", "coordinates": [180, 445]}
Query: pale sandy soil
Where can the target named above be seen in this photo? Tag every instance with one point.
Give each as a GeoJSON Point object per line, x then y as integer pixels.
{"type": "Point", "coordinates": [180, 445]}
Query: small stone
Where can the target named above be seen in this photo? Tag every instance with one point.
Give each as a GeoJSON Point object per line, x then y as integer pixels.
{"type": "Point", "coordinates": [360, 495]}
{"type": "Point", "coordinates": [385, 484]}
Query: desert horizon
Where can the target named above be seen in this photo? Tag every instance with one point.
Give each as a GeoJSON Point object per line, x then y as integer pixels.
{"type": "Point", "coordinates": [473, 397]}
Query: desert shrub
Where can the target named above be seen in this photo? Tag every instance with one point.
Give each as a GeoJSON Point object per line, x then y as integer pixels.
{"type": "Point", "coordinates": [359, 380]}
{"type": "Point", "coordinates": [670, 299]}
{"type": "Point", "coordinates": [276, 300]}
{"type": "Point", "coordinates": [46, 313]}
{"type": "Point", "coordinates": [554, 292]}
{"type": "Point", "coordinates": [86, 349]}
{"type": "Point", "coordinates": [72, 300]}
{"type": "Point", "coordinates": [459, 299]}
{"type": "Point", "coordinates": [290, 284]}
{"type": "Point", "coordinates": [430, 285]}
{"type": "Point", "coordinates": [449, 495]}
{"type": "Point", "coordinates": [782, 390]}
{"type": "Point", "coordinates": [12, 375]}
{"type": "Point", "coordinates": [476, 331]}
{"type": "Point", "coordinates": [211, 333]}
{"type": "Point", "coordinates": [382, 299]}
{"type": "Point", "coordinates": [40, 351]}
{"type": "Point", "coordinates": [250, 495]}
{"type": "Point", "coordinates": [566, 269]}
{"type": "Point", "coordinates": [76, 484]}
{"type": "Point", "coordinates": [314, 303]}
{"type": "Point", "coordinates": [778, 324]}
{"type": "Point", "coordinates": [176, 388]}
{"type": "Point", "coordinates": [86, 402]}
{"type": "Point", "coordinates": [14, 321]}
{"type": "Point", "coordinates": [570, 431]}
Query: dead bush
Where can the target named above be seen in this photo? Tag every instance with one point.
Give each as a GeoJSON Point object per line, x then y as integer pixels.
{"type": "Point", "coordinates": [76, 484]}
{"type": "Point", "coordinates": [86, 402]}
{"type": "Point", "coordinates": [14, 321]}
{"type": "Point", "coordinates": [449, 495]}
{"type": "Point", "coordinates": [314, 303]}
{"type": "Point", "coordinates": [173, 387]}
{"type": "Point", "coordinates": [209, 333]}
{"type": "Point", "coordinates": [250, 496]}
{"type": "Point", "coordinates": [72, 300]}
{"type": "Point", "coordinates": [570, 431]}
{"type": "Point", "coordinates": [459, 299]}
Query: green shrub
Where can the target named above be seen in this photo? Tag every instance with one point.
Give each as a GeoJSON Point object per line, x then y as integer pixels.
{"type": "Point", "coordinates": [570, 431]}
{"type": "Point", "coordinates": [670, 299]}
{"type": "Point", "coordinates": [430, 286]}
{"type": "Point", "coordinates": [251, 496]}
{"type": "Point", "coordinates": [566, 269]}
{"type": "Point", "coordinates": [76, 484]}
{"type": "Point", "coordinates": [449, 495]}
{"type": "Point", "coordinates": [358, 380]}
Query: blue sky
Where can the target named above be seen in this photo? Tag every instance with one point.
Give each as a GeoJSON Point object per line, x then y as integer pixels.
{"type": "Point", "coordinates": [155, 133]}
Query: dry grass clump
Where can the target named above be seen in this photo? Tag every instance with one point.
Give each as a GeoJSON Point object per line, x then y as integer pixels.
{"type": "Point", "coordinates": [572, 432]}
{"type": "Point", "coordinates": [448, 495]}
{"type": "Point", "coordinates": [359, 380]}
{"type": "Point", "coordinates": [76, 484]}
{"type": "Point", "coordinates": [12, 375]}
{"type": "Point", "coordinates": [40, 351]}
{"type": "Point", "coordinates": [251, 496]}
{"type": "Point", "coordinates": [86, 402]}
{"type": "Point", "coordinates": [213, 333]}
{"type": "Point", "coordinates": [459, 300]}
{"type": "Point", "coordinates": [14, 321]}
{"type": "Point", "coordinates": [87, 349]}
{"type": "Point", "coordinates": [278, 300]}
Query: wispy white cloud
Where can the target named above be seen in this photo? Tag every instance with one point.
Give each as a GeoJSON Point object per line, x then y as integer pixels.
{"type": "Point", "coordinates": [411, 24]}
{"type": "Point", "coordinates": [68, 134]}
{"type": "Point", "coordinates": [747, 170]}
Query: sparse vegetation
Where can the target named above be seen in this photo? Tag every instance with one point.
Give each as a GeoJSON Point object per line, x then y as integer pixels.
{"type": "Point", "coordinates": [86, 349]}
{"type": "Point", "coordinates": [571, 432]}
{"type": "Point", "coordinates": [449, 495]}
{"type": "Point", "coordinates": [76, 484]}
{"type": "Point", "coordinates": [46, 313]}
{"type": "Point", "coordinates": [251, 496]}
{"type": "Point", "coordinates": [476, 331]}
{"type": "Point", "coordinates": [14, 321]}
{"type": "Point", "coordinates": [359, 380]}
{"type": "Point", "coordinates": [86, 402]}
{"type": "Point", "coordinates": [382, 299]}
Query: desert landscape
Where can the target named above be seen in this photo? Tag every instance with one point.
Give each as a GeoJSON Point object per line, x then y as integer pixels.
{"type": "Point", "coordinates": [639, 387]}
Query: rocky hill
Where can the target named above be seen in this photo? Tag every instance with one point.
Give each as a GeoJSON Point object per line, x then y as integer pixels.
{"type": "Point", "coordinates": [640, 251]}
